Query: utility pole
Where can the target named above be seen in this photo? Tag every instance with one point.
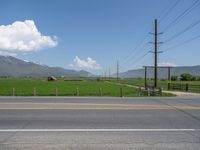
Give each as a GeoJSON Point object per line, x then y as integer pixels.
{"type": "Point", "coordinates": [117, 70]}
{"type": "Point", "coordinates": [102, 76]}
{"type": "Point", "coordinates": [109, 73]}
{"type": "Point", "coordinates": [155, 54]}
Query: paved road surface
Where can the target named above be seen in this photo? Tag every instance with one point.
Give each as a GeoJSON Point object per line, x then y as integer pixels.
{"type": "Point", "coordinates": [100, 123]}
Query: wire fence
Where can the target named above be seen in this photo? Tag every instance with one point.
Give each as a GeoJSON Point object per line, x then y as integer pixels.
{"type": "Point", "coordinates": [118, 92]}
{"type": "Point", "coordinates": [184, 87]}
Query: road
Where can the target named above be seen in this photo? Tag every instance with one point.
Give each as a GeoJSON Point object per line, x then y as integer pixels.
{"type": "Point", "coordinates": [99, 123]}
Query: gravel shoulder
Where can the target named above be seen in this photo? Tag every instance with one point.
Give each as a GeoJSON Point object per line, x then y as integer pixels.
{"type": "Point", "coordinates": [177, 93]}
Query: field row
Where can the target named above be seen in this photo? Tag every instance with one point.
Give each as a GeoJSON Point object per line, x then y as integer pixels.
{"type": "Point", "coordinates": [27, 88]}
{"type": "Point", "coordinates": [41, 87]}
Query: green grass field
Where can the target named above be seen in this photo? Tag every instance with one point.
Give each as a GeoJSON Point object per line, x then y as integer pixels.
{"type": "Point", "coordinates": [41, 87]}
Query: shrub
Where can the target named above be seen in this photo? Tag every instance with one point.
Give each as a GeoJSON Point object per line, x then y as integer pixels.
{"type": "Point", "coordinates": [174, 78]}
{"type": "Point", "coordinates": [186, 77]}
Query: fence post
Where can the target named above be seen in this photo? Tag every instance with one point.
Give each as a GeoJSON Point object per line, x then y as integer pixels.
{"type": "Point", "coordinates": [100, 91]}
{"type": "Point", "coordinates": [34, 91]}
{"type": "Point", "coordinates": [77, 91]}
{"type": "Point", "coordinates": [13, 91]}
{"type": "Point", "coordinates": [148, 92]}
{"type": "Point", "coordinates": [56, 91]}
{"type": "Point", "coordinates": [140, 90]}
{"type": "Point", "coordinates": [186, 87]}
{"type": "Point", "coordinates": [121, 92]}
{"type": "Point", "coordinates": [160, 91]}
{"type": "Point", "coordinates": [168, 86]}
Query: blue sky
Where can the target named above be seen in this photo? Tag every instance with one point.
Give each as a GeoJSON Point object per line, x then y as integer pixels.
{"type": "Point", "coordinates": [105, 31]}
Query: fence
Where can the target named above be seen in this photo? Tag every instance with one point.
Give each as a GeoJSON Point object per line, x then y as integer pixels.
{"type": "Point", "coordinates": [184, 87]}
{"type": "Point", "coordinates": [150, 92]}
{"type": "Point", "coordinates": [119, 92]}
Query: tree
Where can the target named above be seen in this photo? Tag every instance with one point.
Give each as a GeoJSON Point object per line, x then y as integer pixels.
{"type": "Point", "coordinates": [98, 79]}
{"type": "Point", "coordinates": [198, 78]}
{"type": "Point", "coordinates": [193, 78]}
{"type": "Point", "coordinates": [186, 77]}
{"type": "Point", "coordinates": [174, 78]}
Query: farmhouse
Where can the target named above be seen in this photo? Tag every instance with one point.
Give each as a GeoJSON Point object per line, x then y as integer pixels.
{"type": "Point", "coordinates": [51, 78]}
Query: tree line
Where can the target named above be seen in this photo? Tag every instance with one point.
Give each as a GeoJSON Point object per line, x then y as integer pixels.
{"type": "Point", "coordinates": [185, 77]}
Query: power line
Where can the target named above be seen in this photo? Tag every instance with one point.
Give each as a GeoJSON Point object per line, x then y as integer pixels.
{"type": "Point", "coordinates": [135, 56]}
{"type": "Point", "coordinates": [182, 43]}
{"type": "Point", "coordinates": [140, 58]}
{"type": "Point", "coordinates": [183, 31]}
{"type": "Point", "coordinates": [169, 11]}
{"type": "Point", "coordinates": [183, 14]}
{"type": "Point", "coordinates": [137, 50]}
{"type": "Point", "coordinates": [137, 47]}
{"type": "Point", "coordinates": [142, 41]}
{"type": "Point", "coordinates": [129, 58]}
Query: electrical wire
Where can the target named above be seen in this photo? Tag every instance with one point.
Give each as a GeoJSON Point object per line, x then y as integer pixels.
{"type": "Point", "coordinates": [139, 59]}
{"type": "Point", "coordinates": [169, 11]}
{"type": "Point", "coordinates": [182, 15]}
{"type": "Point", "coordinates": [137, 47]}
{"type": "Point", "coordinates": [183, 31]}
{"type": "Point", "coordinates": [182, 43]}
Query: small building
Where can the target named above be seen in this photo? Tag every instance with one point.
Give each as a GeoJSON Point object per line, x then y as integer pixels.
{"type": "Point", "coordinates": [51, 78]}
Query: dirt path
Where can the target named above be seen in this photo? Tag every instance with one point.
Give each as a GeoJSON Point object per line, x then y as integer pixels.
{"type": "Point", "coordinates": [177, 93]}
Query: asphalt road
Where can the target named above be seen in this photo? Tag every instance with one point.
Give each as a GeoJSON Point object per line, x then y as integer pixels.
{"type": "Point", "coordinates": [99, 123]}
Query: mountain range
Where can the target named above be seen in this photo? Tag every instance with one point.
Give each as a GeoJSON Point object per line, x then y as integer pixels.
{"type": "Point", "coordinates": [12, 66]}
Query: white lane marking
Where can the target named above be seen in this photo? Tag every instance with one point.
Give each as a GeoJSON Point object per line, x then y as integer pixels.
{"type": "Point", "coordinates": [97, 130]}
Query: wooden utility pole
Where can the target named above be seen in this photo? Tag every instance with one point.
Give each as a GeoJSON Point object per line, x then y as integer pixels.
{"type": "Point", "coordinates": [155, 54]}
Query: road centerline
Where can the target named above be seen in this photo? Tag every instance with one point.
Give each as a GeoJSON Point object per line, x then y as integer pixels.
{"type": "Point", "coordinates": [88, 106]}
{"type": "Point", "coordinates": [99, 130]}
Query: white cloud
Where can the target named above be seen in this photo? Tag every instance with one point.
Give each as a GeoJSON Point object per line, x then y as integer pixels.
{"type": "Point", "coordinates": [2, 53]}
{"type": "Point", "coordinates": [167, 64]}
{"type": "Point", "coordinates": [88, 63]}
{"type": "Point", "coordinates": [23, 37]}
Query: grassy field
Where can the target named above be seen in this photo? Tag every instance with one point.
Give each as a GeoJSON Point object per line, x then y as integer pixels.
{"type": "Point", "coordinates": [41, 87]}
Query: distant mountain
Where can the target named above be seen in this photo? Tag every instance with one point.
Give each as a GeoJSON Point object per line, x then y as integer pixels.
{"type": "Point", "coordinates": [162, 73]}
{"type": "Point", "coordinates": [11, 66]}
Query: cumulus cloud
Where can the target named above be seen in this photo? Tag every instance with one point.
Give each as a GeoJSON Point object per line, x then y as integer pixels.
{"type": "Point", "coordinates": [23, 36]}
{"type": "Point", "coordinates": [88, 63]}
{"type": "Point", "coordinates": [167, 64]}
